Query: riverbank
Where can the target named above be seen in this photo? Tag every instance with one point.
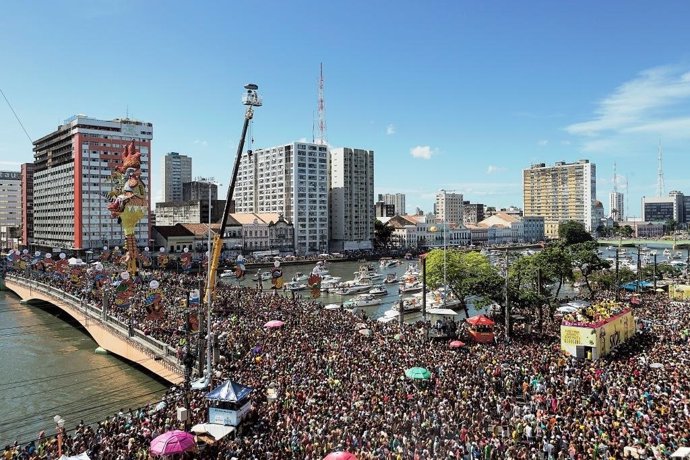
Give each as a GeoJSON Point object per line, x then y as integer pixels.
{"type": "Point", "coordinates": [631, 242]}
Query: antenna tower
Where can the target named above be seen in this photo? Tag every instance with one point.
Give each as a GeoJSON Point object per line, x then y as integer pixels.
{"type": "Point", "coordinates": [322, 111]}
{"type": "Point", "coordinates": [615, 179]}
{"type": "Point", "coordinates": [660, 175]}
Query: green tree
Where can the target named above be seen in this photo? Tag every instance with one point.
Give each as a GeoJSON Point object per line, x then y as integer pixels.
{"type": "Point", "coordinates": [382, 235]}
{"type": "Point", "coordinates": [584, 257]}
{"type": "Point", "coordinates": [556, 265]}
{"type": "Point", "coordinates": [572, 232]}
{"type": "Point", "coordinates": [626, 231]}
{"type": "Point", "coordinates": [467, 273]}
{"type": "Point", "coordinates": [527, 285]}
{"type": "Point", "coordinates": [670, 226]}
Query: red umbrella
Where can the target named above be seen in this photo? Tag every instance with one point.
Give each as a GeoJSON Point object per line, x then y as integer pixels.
{"type": "Point", "coordinates": [274, 323]}
{"type": "Point", "coordinates": [456, 344]}
{"type": "Point", "coordinates": [340, 456]}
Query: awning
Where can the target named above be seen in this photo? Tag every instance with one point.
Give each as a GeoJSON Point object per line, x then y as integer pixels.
{"type": "Point", "coordinates": [217, 432]}
{"type": "Point", "coordinates": [81, 456]}
{"type": "Point", "coordinates": [230, 391]}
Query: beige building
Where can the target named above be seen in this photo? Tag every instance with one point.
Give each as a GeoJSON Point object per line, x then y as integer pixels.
{"type": "Point", "coordinates": [558, 193]}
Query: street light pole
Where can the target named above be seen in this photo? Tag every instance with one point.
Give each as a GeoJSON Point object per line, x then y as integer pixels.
{"type": "Point", "coordinates": [507, 307]}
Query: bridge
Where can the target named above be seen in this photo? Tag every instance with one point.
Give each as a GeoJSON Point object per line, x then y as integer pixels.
{"type": "Point", "coordinates": [109, 332]}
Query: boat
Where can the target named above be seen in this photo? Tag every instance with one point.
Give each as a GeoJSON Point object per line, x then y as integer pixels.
{"type": "Point", "coordinates": [387, 262]}
{"type": "Point", "coordinates": [391, 278]}
{"type": "Point", "coordinates": [228, 274]}
{"type": "Point", "coordinates": [410, 288]}
{"type": "Point", "coordinates": [328, 282]}
{"type": "Point", "coordinates": [349, 289]}
{"type": "Point", "coordinates": [265, 276]}
{"type": "Point", "coordinates": [363, 300]}
{"type": "Point", "coordinates": [332, 306]}
{"type": "Point", "coordinates": [678, 255]}
{"type": "Point", "coordinates": [299, 276]}
{"type": "Point", "coordinates": [378, 291]}
{"type": "Point", "coordinates": [409, 305]}
{"type": "Point", "coordinates": [294, 286]}
{"type": "Point", "coordinates": [667, 252]}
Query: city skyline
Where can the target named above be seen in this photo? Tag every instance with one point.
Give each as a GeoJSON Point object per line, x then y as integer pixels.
{"type": "Point", "coordinates": [465, 102]}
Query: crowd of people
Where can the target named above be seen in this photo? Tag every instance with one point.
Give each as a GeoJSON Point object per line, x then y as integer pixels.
{"type": "Point", "coordinates": [338, 390]}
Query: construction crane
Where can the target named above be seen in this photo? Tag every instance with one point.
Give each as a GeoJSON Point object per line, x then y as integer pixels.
{"type": "Point", "coordinates": [251, 99]}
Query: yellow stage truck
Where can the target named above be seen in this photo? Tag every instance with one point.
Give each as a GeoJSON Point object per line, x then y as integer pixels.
{"type": "Point", "coordinates": [594, 340]}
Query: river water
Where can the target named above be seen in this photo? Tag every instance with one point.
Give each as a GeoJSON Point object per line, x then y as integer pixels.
{"type": "Point", "coordinates": [48, 367]}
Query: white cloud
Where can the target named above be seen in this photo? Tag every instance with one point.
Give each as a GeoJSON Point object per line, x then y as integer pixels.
{"type": "Point", "coordinates": [422, 151]}
{"type": "Point", "coordinates": [494, 169]}
{"type": "Point", "coordinates": [543, 142]}
{"type": "Point", "coordinates": [201, 142]}
{"type": "Point", "coordinates": [390, 129]}
{"type": "Point", "coordinates": [642, 101]}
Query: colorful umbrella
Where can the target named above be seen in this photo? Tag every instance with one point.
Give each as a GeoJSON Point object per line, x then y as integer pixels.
{"type": "Point", "coordinates": [456, 344]}
{"type": "Point", "coordinates": [340, 456]}
{"type": "Point", "coordinates": [274, 323]}
{"type": "Point", "coordinates": [417, 373]}
{"type": "Point", "coordinates": [173, 442]}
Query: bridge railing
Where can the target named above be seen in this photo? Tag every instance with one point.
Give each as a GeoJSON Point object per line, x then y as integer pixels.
{"type": "Point", "coordinates": [158, 350]}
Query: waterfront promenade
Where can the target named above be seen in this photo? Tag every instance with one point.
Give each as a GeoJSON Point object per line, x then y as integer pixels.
{"type": "Point", "coordinates": [108, 332]}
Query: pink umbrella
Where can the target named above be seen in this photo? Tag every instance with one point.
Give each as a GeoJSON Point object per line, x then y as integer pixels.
{"type": "Point", "coordinates": [340, 456]}
{"type": "Point", "coordinates": [456, 344]}
{"type": "Point", "coordinates": [274, 323]}
{"type": "Point", "coordinates": [172, 442]}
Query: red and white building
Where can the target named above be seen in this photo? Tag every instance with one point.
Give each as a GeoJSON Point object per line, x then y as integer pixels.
{"type": "Point", "coordinates": [72, 168]}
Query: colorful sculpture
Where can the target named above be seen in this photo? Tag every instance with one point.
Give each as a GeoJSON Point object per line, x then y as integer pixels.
{"type": "Point", "coordinates": [128, 200]}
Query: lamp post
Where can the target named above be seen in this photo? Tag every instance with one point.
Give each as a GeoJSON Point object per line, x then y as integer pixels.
{"type": "Point", "coordinates": [59, 427]}
{"type": "Point", "coordinates": [654, 254]}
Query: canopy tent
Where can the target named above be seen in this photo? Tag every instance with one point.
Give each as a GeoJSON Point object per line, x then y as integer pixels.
{"type": "Point", "coordinates": [632, 286]}
{"type": "Point", "coordinates": [480, 320]}
{"type": "Point", "coordinates": [214, 430]}
{"type": "Point", "coordinates": [230, 392]}
{"type": "Point", "coordinates": [81, 456]}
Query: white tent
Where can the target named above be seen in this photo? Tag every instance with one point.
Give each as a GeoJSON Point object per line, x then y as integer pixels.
{"type": "Point", "coordinates": [217, 432]}
{"type": "Point", "coordinates": [81, 456]}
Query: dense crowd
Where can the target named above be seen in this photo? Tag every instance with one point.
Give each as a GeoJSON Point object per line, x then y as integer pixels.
{"type": "Point", "coordinates": [340, 390]}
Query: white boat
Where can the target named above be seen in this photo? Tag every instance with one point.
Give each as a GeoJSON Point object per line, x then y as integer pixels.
{"type": "Point", "coordinates": [349, 289]}
{"type": "Point", "coordinates": [391, 278]}
{"type": "Point", "coordinates": [678, 255]}
{"type": "Point", "coordinates": [265, 276]}
{"type": "Point", "coordinates": [378, 291]}
{"type": "Point", "coordinates": [299, 276]}
{"type": "Point", "coordinates": [228, 274]}
{"type": "Point", "coordinates": [387, 262]}
{"type": "Point", "coordinates": [332, 306]}
{"type": "Point", "coordinates": [363, 300]}
{"type": "Point", "coordinates": [410, 288]}
{"type": "Point", "coordinates": [667, 252]}
{"type": "Point", "coordinates": [294, 286]}
{"type": "Point", "coordinates": [329, 282]}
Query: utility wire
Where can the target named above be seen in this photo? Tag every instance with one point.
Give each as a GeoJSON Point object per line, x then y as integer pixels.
{"type": "Point", "coordinates": [16, 116]}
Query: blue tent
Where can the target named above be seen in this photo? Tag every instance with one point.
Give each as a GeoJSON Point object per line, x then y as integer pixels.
{"type": "Point", "coordinates": [230, 392]}
{"type": "Point", "coordinates": [632, 286]}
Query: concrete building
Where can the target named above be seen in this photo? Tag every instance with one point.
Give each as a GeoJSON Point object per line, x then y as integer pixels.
{"type": "Point", "coordinates": [198, 190]}
{"type": "Point", "coordinates": [617, 206]}
{"type": "Point", "coordinates": [381, 209]}
{"type": "Point", "coordinates": [664, 208]}
{"type": "Point", "coordinates": [292, 180]}
{"type": "Point", "coordinates": [448, 207]}
{"type": "Point", "coordinates": [522, 229]}
{"type": "Point", "coordinates": [27, 173]}
{"type": "Point", "coordinates": [395, 199]}
{"type": "Point", "coordinates": [188, 212]}
{"type": "Point", "coordinates": [73, 166]}
{"type": "Point", "coordinates": [177, 169]}
{"type": "Point", "coordinates": [351, 199]}
{"type": "Point", "coordinates": [558, 193]}
{"type": "Point", "coordinates": [10, 209]}
{"type": "Point", "coordinates": [472, 213]}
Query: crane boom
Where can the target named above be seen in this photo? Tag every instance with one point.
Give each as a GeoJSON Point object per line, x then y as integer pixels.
{"type": "Point", "coordinates": [251, 99]}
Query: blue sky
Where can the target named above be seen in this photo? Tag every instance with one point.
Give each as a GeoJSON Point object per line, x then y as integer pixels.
{"type": "Point", "coordinates": [460, 95]}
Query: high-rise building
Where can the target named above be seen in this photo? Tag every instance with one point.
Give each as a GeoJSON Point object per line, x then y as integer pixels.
{"type": "Point", "coordinates": [396, 199]}
{"type": "Point", "coordinates": [10, 208]}
{"type": "Point", "coordinates": [472, 213]}
{"type": "Point", "coordinates": [664, 208]}
{"type": "Point", "coordinates": [382, 209]}
{"type": "Point", "coordinates": [351, 199]}
{"type": "Point", "coordinates": [198, 190]}
{"type": "Point", "coordinates": [448, 207]}
{"type": "Point", "coordinates": [290, 179]}
{"type": "Point", "coordinates": [616, 206]}
{"type": "Point", "coordinates": [27, 204]}
{"type": "Point", "coordinates": [558, 193]}
{"type": "Point", "coordinates": [177, 169]}
{"type": "Point", "coordinates": [72, 170]}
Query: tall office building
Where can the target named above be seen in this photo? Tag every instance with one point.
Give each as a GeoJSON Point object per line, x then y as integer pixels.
{"type": "Point", "coordinates": [558, 193]}
{"type": "Point", "coordinates": [472, 213]}
{"type": "Point", "coordinates": [448, 207]}
{"type": "Point", "coordinates": [664, 208]}
{"type": "Point", "coordinates": [396, 199]}
{"type": "Point", "coordinates": [10, 208]}
{"type": "Point", "coordinates": [27, 171]}
{"type": "Point", "coordinates": [616, 206]}
{"type": "Point", "coordinates": [177, 169]}
{"type": "Point", "coordinates": [72, 169]}
{"type": "Point", "coordinates": [351, 199]}
{"type": "Point", "coordinates": [198, 190]}
{"type": "Point", "coordinates": [290, 179]}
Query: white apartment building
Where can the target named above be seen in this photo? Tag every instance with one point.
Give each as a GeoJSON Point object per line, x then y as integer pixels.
{"type": "Point", "coordinates": [177, 169]}
{"type": "Point", "coordinates": [562, 192]}
{"type": "Point", "coordinates": [73, 165]}
{"type": "Point", "coordinates": [395, 199]}
{"type": "Point", "coordinates": [10, 208]}
{"type": "Point", "coordinates": [616, 206]}
{"type": "Point", "coordinates": [290, 179]}
{"type": "Point", "coordinates": [351, 199]}
{"type": "Point", "coordinates": [448, 207]}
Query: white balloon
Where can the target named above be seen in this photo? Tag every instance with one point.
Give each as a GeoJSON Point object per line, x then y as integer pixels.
{"type": "Point", "coordinates": [49, 255]}
{"type": "Point", "coordinates": [37, 253]}
{"type": "Point", "coordinates": [146, 249]}
{"type": "Point", "coordinates": [63, 255]}
{"type": "Point", "coordinates": [117, 248]}
{"type": "Point", "coordinates": [105, 248]}
{"type": "Point", "coordinates": [276, 263]}
{"type": "Point", "coordinates": [186, 250]}
{"type": "Point", "coordinates": [124, 275]}
{"type": "Point", "coordinates": [154, 284]}
{"type": "Point", "coordinates": [25, 251]}
{"type": "Point", "coordinates": [162, 249]}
